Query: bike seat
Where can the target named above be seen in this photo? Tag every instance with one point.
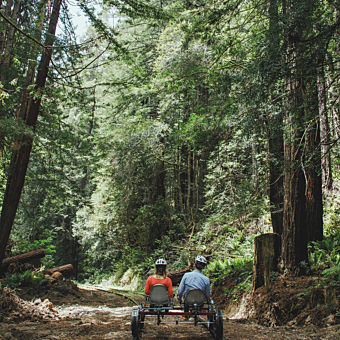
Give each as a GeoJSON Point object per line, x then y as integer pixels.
{"type": "Point", "coordinates": [195, 297]}
{"type": "Point", "coordinates": [159, 295]}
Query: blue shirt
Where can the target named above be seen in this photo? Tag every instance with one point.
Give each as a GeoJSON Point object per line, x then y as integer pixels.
{"type": "Point", "coordinates": [194, 280]}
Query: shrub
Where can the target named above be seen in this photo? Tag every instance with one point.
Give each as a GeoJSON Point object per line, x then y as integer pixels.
{"type": "Point", "coordinates": [333, 273]}
{"type": "Point", "coordinates": [25, 279]}
{"type": "Point", "coordinates": [238, 271]}
{"type": "Point", "coordinates": [325, 253]}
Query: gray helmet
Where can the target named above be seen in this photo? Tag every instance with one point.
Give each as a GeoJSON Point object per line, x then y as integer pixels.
{"type": "Point", "coordinates": [200, 261]}
{"type": "Point", "coordinates": [160, 262]}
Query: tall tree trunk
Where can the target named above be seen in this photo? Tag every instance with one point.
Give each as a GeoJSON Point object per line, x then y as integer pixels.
{"type": "Point", "coordinates": [189, 180]}
{"type": "Point", "coordinates": [7, 39]}
{"type": "Point", "coordinates": [7, 9]}
{"type": "Point", "coordinates": [179, 182]}
{"type": "Point", "coordinates": [337, 83]}
{"type": "Point", "coordinates": [20, 156]}
{"type": "Point", "coordinates": [327, 180]}
{"type": "Point", "coordinates": [7, 56]}
{"type": "Point", "coordinates": [255, 167]}
{"type": "Point", "coordinates": [275, 122]}
{"type": "Point", "coordinates": [314, 56]}
{"type": "Point", "coordinates": [312, 158]}
{"type": "Point", "coordinates": [294, 238]}
{"type": "Point", "coordinates": [26, 98]}
{"type": "Point", "coordinates": [302, 184]}
{"type": "Point", "coordinates": [159, 177]}
{"type": "Point", "coordinates": [195, 190]}
{"type": "Point", "coordinates": [275, 146]}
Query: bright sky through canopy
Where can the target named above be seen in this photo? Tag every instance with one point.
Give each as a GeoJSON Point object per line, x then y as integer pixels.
{"type": "Point", "coordinates": [79, 20]}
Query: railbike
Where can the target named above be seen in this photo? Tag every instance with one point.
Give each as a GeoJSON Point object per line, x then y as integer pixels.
{"type": "Point", "coordinates": [196, 309]}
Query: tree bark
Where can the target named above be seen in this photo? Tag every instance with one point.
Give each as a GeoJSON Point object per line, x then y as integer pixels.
{"type": "Point", "coordinates": [3, 33]}
{"type": "Point", "coordinates": [21, 155]}
{"type": "Point", "coordinates": [188, 204]}
{"type": "Point", "coordinates": [312, 157]}
{"type": "Point", "coordinates": [336, 110]}
{"type": "Point", "coordinates": [7, 38]}
{"type": "Point", "coordinates": [275, 122]}
{"type": "Point", "coordinates": [7, 57]}
{"type": "Point", "coordinates": [314, 211]}
{"type": "Point", "coordinates": [267, 249]}
{"type": "Point", "coordinates": [65, 269]}
{"type": "Point", "coordinates": [26, 98]}
{"type": "Point", "coordinates": [327, 180]}
{"type": "Point", "coordinates": [302, 183]}
{"type": "Point", "coordinates": [179, 182]}
{"type": "Point", "coordinates": [294, 238]}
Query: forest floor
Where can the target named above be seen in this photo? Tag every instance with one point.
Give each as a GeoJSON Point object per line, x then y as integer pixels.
{"type": "Point", "coordinates": [65, 311]}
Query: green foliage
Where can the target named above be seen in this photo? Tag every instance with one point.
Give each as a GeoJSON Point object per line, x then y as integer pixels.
{"type": "Point", "coordinates": [333, 273]}
{"type": "Point", "coordinates": [232, 190]}
{"type": "Point", "coordinates": [3, 94]}
{"type": "Point", "coordinates": [25, 279]}
{"type": "Point", "coordinates": [236, 274]}
{"type": "Point", "coordinates": [324, 256]}
{"type": "Point", "coordinates": [23, 246]}
{"type": "Point", "coordinates": [225, 240]}
{"type": "Point", "coordinates": [159, 145]}
{"type": "Point", "coordinates": [325, 253]}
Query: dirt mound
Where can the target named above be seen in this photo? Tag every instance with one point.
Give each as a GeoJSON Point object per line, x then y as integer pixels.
{"type": "Point", "coordinates": [297, 301]}
{"type": "Point", "coordinates": [59, 292]}
{"type": "Point", "coordinates": [13, 308]}
{"type": "Point", "coordinates": [294, 301]}
{"type": "Point", "coordinates": [65, 292]}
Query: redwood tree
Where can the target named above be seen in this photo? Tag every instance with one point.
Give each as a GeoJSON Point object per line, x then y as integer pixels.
{"type": "Point", "coordinates": [302, 184]}
{"type": "Point", "coordinates": [22, 148]}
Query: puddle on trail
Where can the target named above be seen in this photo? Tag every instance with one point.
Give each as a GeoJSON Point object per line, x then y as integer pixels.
{"type": "Point", "coordinates": [76, 311]}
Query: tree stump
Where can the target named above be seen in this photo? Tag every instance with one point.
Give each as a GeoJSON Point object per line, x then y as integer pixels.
{"type": "Point", "coordinates": [323, 295]}
{"type": "Point", "coordinates": [267, 249]}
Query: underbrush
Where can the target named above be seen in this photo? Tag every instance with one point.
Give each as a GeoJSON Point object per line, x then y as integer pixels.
{"type": "Point", "coordinates": [234, 275]}
{"type": "Point", "coordinates": [23, 246]}
{"type": "Point", "coordinates": [324, 256]}
{"type": "Point", "coordinates": [232, 266]}
{"type": "Point", "coordinates": [25, 279]}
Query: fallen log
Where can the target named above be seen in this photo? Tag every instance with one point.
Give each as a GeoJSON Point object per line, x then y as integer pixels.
{"type": "Point", "coordinates": [176, 276]}
{"type": "Point", "coordinates": [66, 269]}
{"type": "Point", "coordinates": [33, 257]}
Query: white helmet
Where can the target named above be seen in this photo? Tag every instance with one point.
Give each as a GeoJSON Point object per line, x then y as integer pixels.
{"type": "Point", "coordinates": [200, 261]}
{"type": "Point", "coordinates": [160, 262]}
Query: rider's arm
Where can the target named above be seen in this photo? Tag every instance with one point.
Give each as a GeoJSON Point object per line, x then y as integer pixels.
{"type": "Point", "coordinates": [170, 290]}
{"type": "Point", "coordinates": [207, 290]}
{"type": "Point", "coordinates": [181, 287]}
{"type": "Point", "coordinates": [148, 286]}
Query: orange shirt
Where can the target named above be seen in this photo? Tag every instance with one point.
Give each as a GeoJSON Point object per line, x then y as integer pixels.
{"type": "Point", "coordinates": [153, 281]}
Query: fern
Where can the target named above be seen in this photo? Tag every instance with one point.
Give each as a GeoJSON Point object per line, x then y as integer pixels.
{"type": "Point", "coordinates": [332, 273]}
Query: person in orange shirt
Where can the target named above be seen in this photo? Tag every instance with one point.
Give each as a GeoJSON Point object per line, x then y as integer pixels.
{"type": "Point", "coordinates": [159, 278]}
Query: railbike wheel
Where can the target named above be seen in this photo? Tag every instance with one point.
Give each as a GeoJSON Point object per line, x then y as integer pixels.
{"type": "Point", "coordinates": [210, 322]}
{"type": "Point", "coordinates": [219, 326]}
{"type": "Point", "coordinates": [141, 324]}
{"type": "Point", "coordinates": [135, 329]}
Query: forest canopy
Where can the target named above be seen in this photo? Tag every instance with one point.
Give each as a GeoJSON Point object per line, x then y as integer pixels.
{"type": "Point", "coordinates": [171, 128]}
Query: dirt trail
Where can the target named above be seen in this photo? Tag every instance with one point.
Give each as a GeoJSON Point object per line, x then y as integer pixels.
{"type": "Point", "coordinates": [98, 315]}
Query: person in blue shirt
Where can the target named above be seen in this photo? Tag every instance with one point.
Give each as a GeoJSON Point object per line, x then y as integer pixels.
{"type": "Point", "coordinates": [195, 280]}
